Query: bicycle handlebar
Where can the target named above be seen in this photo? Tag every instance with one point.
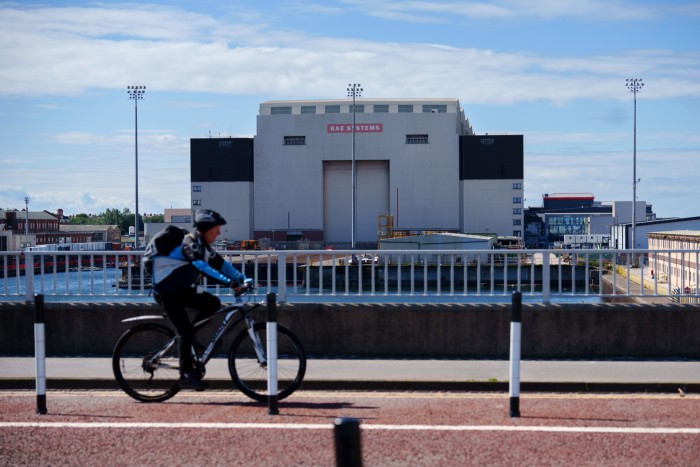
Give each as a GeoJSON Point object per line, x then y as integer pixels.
{"type": "Point", "coordinates": [246, 287]}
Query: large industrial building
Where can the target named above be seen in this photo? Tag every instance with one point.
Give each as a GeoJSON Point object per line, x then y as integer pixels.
{"type": "Point", "coordinates": [419, 167]}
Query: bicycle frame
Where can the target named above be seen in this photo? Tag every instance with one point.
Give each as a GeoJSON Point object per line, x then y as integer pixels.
{"type": "Point", "coordinates": [227, 324]}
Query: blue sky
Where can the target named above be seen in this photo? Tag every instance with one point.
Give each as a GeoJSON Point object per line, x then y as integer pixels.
{"type": "Point", "coordinates": [552, 70]}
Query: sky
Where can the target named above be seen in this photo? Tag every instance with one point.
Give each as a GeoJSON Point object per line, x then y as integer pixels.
{"type": "Point", "coordinates": [552, 70]}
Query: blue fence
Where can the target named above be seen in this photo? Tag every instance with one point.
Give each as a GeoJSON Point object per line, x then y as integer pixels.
{"type": "Point", "coordinates": [389, 276]}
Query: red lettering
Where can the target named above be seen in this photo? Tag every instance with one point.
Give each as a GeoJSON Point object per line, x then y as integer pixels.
{"type": "Point", "coordinates": [359, 128]}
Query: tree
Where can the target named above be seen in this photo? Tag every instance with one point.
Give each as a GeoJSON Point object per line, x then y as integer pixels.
{"type": "Point", "coordinates": [157, 218]}
{"type": "Point", "coordinates": [82, 219]}
{"type": "Point", "coordinates": [123, 219]}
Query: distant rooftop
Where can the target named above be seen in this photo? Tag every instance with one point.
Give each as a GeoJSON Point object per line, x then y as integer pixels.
{"type": "Point", "coordinates": [588, 196]}
{"type": "Point", "coordinates": [675, 233]}
{"type": "Point", "coordinates": [365, 105]}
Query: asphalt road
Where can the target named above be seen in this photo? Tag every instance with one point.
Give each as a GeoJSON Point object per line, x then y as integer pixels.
{"type": "Point", "coordinates": [397, 428]}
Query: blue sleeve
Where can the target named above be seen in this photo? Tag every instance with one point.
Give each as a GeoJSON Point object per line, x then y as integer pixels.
{"type": "Point", "coordinates": [232, 272]}
{"type": "Point", "coordinates": [212, 273]}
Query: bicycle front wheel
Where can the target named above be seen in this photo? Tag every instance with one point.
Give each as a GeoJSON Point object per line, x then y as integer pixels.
{"type": "Point", "coordinates": [146, 363]}
{"type": "Point", "coordinates": [250, 375]}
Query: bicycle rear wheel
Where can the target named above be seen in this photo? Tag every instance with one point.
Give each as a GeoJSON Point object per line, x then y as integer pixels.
{"type": "Point", "coordinates": [250, 376]}
{"type": "Point", "coordinates": [146, 364]}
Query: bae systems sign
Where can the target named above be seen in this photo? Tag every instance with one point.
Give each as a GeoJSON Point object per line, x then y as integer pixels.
{"type": "Point", "coordinates": [359, 128]}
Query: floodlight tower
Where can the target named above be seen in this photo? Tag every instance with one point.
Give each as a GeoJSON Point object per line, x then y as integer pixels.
{"type": "Point", "coordinates": [136, 93]}
{"type": "Point", "coordinates": [634, 85]}
{"type": "Point", "coordinates": [26, 215]}
{"type": "Point", "coordinates": [354, 90]}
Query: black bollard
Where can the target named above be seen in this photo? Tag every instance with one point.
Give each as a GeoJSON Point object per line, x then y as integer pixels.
{"type": "Point", "coordinates": [348, 450]}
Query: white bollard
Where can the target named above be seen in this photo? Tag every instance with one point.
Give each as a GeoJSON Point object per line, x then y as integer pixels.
{"type": "Point", "coordinates": [515, 344]}
{"type": "Point", "coordinates": [40, 354]}
{"type": "Point", "coordinates": [272, 389]}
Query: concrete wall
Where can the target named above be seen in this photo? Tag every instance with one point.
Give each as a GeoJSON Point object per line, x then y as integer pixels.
{"type": "Point", "coordinates": [409, 330]}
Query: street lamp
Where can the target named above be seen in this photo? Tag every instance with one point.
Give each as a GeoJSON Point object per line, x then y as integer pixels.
{"type": "Point", "coordinates": [354, 90]}
{"type": "Point", "coordinates": [26, 215]}
{"type": "Point", "coordinates": [136, 93]}
{"type": "Point", "coordinates": [634, 85]}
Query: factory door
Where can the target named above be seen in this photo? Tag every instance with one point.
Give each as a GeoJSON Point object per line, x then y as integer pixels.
{"type": "Point", "coordinates": [372, 199]}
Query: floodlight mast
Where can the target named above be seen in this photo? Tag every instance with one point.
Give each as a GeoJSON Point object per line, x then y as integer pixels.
{"type": "Point", "coordinates": [354, 91]}
{"type": "Point", "coordinates": [136, 93]}
{"type": "Point", "coordinates": [634, 85]}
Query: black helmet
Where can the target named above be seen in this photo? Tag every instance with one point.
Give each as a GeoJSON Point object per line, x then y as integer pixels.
{"type": "Point", "coordinates": [205, 219]}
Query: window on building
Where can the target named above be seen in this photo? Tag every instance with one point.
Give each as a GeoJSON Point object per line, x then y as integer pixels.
{"type": "Point", "coordinates": [285, 110]}
{"type": "Point", "coordinates": [517, 222]}
{"type": "Point", "coordinates": [405, 109]}
{"type": "Point", "coordinates": [381, 109]}
{"type": "Point", "coordinates": [332, 109]}
{"type": "Point", "coordinates": [517, 211]}
{"type": "Point", "coordinates": [359, 108]}
{"type": "Point", "coordinates": [294, 140]}
{"type": "Point", "coordinates": [196, 202]}
{"type": "Point", "coordinates": [517, 200]}
{"type": "Point", "coordinates": [435, 109]}
{"type": "Point", "coordinates": [517, 186]}
{"type": "Point", "coordinates": [416, 139]}
{"type": "Point", "coordinates": [517, 233]}
{"type": "Point", "coordinates": [196, 188]}
{"type": "Point", "coordinates": [308, 109]}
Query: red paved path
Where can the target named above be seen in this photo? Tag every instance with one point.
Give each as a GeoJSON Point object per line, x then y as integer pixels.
{"type": "Point", "coordinates": [217, 428]}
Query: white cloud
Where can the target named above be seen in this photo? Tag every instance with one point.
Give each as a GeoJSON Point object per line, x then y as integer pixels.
{"type": "Point", "coordinates": [433, 11]}
{"type": "Point", "coordinates": [173, 50]}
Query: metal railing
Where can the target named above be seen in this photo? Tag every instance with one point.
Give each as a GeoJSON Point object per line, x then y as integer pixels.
{"type": "Point", "coordinates": [377, 275]}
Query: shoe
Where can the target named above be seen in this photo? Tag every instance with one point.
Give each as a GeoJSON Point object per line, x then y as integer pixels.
{"type": "Point", "coordinates": [188, 381]}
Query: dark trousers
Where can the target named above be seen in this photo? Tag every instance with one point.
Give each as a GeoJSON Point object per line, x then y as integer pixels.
{"type": "Point", "coordinates": [175, 305]}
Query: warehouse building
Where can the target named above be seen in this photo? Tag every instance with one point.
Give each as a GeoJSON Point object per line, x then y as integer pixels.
{"type": "Point", "coordinates": [418, 163]}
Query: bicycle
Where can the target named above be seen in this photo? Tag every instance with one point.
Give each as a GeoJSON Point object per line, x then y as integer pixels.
{"type": "Point", "coordinates": [146, 362]}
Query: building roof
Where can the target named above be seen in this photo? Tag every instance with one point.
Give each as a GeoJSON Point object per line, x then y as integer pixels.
{"type": "Point", "coordinates": [85, 228]}
{"type": "Point", "coordinates": [568, 196]}
{"type": "Point", "coordinates": [452, 104]}
{"type": "Point", "coordinates": [364, 100]}
{"type": "Point", "coordinates": [675, 233]}
{"type": "Point", "coordinates": [438, 241]}
{"type": "Point", "coordinates": [33, 215]}
{"type": "Point", "coordinates": [671, 220]}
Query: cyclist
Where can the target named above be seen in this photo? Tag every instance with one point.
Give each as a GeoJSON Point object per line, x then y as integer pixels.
{"type": "Point", "coordinates": [176, 286]}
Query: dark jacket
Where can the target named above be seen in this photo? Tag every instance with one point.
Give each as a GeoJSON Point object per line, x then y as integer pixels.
{"type": "Point", "coordinates": [184, 267]}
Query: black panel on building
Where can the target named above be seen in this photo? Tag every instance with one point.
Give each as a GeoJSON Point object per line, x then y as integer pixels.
{"type": "Point", "coordinates": [486, 157]}
{"type": "Point", "coordinates": [221, 159]}
{"type": "Point", "coordinates": [570, 202]}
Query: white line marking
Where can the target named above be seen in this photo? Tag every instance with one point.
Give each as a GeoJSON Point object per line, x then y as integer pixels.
{"type": "Point", "coordinates": [301, 394]}
{"type": "Point", "coordinates": [553, 429]}
{"type": "Point", "coordinates": [378, 427]}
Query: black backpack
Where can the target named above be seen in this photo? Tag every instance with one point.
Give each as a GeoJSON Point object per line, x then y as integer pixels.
{"type": "Point", "coordinates": [163, 243]}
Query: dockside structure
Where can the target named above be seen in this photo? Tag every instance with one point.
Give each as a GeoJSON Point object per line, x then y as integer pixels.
{"type": "Point", "coordinates": [418, 160]}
